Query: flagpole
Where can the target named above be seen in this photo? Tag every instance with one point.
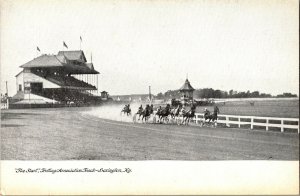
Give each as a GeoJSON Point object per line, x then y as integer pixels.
{"type": "Point", "coordinates": [80, 39]}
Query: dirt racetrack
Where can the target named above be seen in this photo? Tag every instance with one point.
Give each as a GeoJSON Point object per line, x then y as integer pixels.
{"type": "Point", "coordinates": [73, 134]}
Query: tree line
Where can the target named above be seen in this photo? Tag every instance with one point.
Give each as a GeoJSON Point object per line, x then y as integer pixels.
{"type": "Point", "coordinates": [217, 94]}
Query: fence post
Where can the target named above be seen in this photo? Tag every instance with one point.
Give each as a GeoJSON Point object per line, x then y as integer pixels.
{"type": "Point", "coordinates": [267, 126]}
{"type": "Point", "coordinates": [252, 122]}
{"type": "Point", "coordinates": [239, 122]}
{"type": "Point", "coordinates": [227, 119]}
{"type": "Point", "coordinates": [282, 128]}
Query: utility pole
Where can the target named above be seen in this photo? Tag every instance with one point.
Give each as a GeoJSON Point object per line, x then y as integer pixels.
{"type": "Point", "coordinates": [6, 88]}
{"type": "Point", "coordinates": [150, 93]}
{"type": "Point", "coordinates": [7, 101]}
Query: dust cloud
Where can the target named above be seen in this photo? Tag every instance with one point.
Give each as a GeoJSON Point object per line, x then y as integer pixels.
{"type": "Point", "coordinates": [113, 112]}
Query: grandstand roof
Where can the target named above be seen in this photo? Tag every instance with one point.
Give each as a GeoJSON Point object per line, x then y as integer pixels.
{"type": "Point", "coordinates": [90, 65]}
{"type": "Point", "coordinates": [43, 61]}
{"type": "Point", "coordinates": [186, 86]}
{"type": "Point", "coordinates": [75, 55]}
{"type": "Point", "coordinates": [61, 58]}
{"type": "Point", "coordinates": [19, 73]}
{"type": "Point", "coordinates": [19, 95]}
{"type": "Point", "coordinates": [64, 59]}
{"type": "Point", "coordinates": [80, 69]}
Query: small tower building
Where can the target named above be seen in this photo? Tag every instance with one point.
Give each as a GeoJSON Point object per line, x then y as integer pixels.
{"type": "Point", "coordinates": [186, 91]}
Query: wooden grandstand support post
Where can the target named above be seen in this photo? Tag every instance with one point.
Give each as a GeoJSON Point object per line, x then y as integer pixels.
{"type": "Point", "coordinates": [97, 86]}
{"type": "Point", "coordinates": [267, 124]}
{"type": "Point", "coordinates": [7, 103]}
{"type": "Point", "coordinates": [239, 122]}
{"type": "Point", "coordinates": [252, 120]}
{"type": "Point", "coordinates": [282, 124]}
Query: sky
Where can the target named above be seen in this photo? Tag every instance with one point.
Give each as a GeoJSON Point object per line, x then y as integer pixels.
{"type": "Point", "coordinates": [240, 45]}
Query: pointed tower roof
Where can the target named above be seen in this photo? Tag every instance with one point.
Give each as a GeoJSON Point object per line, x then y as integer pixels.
{"type": "Point", "coordinates": [187, 86]}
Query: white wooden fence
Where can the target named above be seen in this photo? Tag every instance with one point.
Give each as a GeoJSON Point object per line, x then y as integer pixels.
{"type": "Point", "coordinates": [282, 123]}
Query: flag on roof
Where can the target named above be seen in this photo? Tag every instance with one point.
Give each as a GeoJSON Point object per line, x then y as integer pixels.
{"type": "Point", "coordinates": [37, 48]}
{"type": "Point", "coordinates": [65, 45]}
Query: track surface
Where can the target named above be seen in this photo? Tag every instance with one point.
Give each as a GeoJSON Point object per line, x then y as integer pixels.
{"type": "Point", "coordinates": [71, 134]}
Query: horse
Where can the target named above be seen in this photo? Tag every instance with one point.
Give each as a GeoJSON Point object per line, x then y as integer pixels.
{"type": "Point", "coordinates": [146, 113]}
{"type": "Point", "coordinates": [126, 110]}
{"type": "Point", "coordinates": [164, 113]}
{"type": "Point", "coordinates": [174, 112]}
{"type": "Point", "coordinates": [139, 112]}
{"type": "Point", "coordinates": [188, 116]}
{"type": "Point", "coordinates": [211, 117]}
{"type": "Point", "coordinates": [181, 112]}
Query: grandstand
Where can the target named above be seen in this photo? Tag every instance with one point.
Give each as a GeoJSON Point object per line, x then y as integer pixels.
{"type": "Point", "coordinates": [65, 78]}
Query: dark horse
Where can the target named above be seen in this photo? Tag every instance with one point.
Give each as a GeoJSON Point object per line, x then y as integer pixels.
{"type": "Point", "coordinates": [164, 113]}
{"type": "Point", "coordinates": [147, 112]}
{"type": "Point", "coordinates": [189, 115]}
{"type": "Point", "coordinates": [211, 117]}
{"type": "Point", "coordinates": [126, 110]}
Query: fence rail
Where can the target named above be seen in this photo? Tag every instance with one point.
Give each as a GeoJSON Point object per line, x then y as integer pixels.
{"type": "Point", "coordinates": [282, 123]}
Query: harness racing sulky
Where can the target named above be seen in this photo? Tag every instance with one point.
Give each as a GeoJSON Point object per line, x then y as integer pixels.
{"type": "Point", "coordinates": [179, 115]}
{"type": "Point", "coordinates": [126, 110]}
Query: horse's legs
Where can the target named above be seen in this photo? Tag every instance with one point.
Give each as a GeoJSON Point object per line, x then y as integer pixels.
{"type": "Point", "coordinates": [186, 120]}
{"type": "Point", "coordinates": [215, 121]}
{"type": "Point", "coordinates": [161, 119]}
{"type": "Point", "coordinates": [146, 118]}
{"type": "Point", "coordinates": [189, 120]}
{"type": "Point", "coordinates": [143, 117]}
{"type": "Point", "coordinates": [183, 120]}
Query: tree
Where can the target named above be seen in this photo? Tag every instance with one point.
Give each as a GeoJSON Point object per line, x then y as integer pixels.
{"type": "Point", "coordinates": [287, 95]}
{"type": "Point", "coordinates": [230, 93]}
{"type": "Point", "coordinates": [160, 96]}
{"type": "Point", "coordinates": [255, 94]}
{"type": "Point", "coordinates": [217, 94]}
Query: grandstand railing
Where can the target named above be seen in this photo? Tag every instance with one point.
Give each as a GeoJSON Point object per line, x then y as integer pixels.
{"type": "Point", "coordinates": [66, 81]}
{"type": "Point", "coordinates": [267, 122]}
{"type": "Point", "coordinates": [4, 105]}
